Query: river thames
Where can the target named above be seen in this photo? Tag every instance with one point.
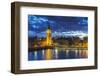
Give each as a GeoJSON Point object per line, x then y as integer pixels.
{"type": "Point", "coordinates": [52, 54]}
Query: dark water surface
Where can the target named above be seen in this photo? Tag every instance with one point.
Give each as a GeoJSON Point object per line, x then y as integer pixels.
{"type": "Point", "coordinates": [57, 54]}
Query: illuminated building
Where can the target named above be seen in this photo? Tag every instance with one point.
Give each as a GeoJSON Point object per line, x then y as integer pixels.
{"type": "Point", "coordinates": [49, 36]}
{"type": "Point", "coordinates": [48, 53]}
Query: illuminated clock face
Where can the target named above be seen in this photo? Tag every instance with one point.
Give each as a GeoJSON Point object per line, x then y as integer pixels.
{"type": "Point", "coordinates": [48, 31]}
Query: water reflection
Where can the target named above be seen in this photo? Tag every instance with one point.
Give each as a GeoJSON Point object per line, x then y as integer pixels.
{"type": "Point", "coordinates": [49, 54]}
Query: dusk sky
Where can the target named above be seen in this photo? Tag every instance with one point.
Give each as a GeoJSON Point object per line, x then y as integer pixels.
{"type": "Point", "coordinates": [60, 25]}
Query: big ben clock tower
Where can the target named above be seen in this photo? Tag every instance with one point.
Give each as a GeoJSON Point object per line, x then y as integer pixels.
{"type": "Point", "coordinates": [49, 36]}
{"type": "Point", "coordinates": [48, 52]}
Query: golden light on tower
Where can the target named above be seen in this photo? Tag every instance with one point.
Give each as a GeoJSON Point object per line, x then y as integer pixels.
{"type": "Point", "coordinates": [49, 36]}
{"type": "Point", "coordinates": [48, 53]}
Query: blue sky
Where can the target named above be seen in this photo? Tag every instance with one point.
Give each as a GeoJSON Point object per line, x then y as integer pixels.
{"type": "Point", "coordinates": [61, 25]}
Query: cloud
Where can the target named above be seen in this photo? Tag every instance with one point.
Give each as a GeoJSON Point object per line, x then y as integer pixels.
{"type": "Point", "coordinates": [31, 33]}
{"type": "Point", "coordinates": [36, 19]}
{"type": "Point", "coordinates": [62, 26]}
{"type": "Point", "coordinates": [83, 22]}
{"type": "Point", "coordinates": [70, 33]}
{"type": "Point", "coordinates": [35, 26]}
{"type": "Point", "coordinates": [80, 34]}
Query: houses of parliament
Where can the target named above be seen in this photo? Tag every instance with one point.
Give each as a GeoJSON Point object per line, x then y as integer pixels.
{"type": "Point", "coordinates": [45, 43]}
{"type": "Point", "coordinates": [48, 40]}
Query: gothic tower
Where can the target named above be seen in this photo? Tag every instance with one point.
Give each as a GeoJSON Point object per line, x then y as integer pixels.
{"type": "Point", "coordinates": [48, 52]}
{"type": "Point", "coordinates": [48, 36]}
